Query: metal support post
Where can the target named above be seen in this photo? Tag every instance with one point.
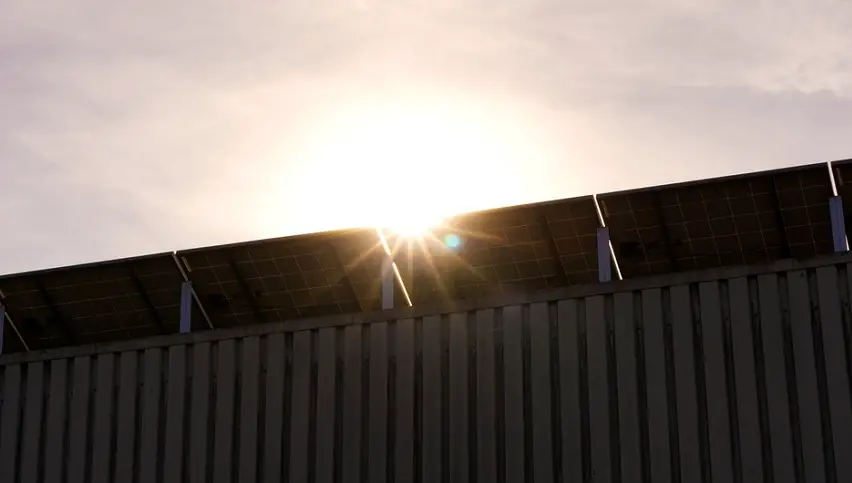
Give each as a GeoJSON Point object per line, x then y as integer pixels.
{"type": "Point", "coordinates": [387, 283]}
{"type": "Point", "coordinates": [185, 307]}
{"type": "Point", "coordinates": [838, 224]}
{"type": "Point", "coordinates": [604, 261]}
{"type": "Point", "coordinates": [192, 291]}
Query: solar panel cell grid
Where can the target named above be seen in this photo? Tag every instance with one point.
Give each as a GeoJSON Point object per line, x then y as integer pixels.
{"type": "Point", "coordinates": [743, 220]}
{"type": "Point", "coordinates": [276, 280]}
{"type": "Point", "coordinates": [86, 304]}
{"type": "Point", "coordinates": [573, 225]}
{"type": "Point", "coordinates": [25, 303]}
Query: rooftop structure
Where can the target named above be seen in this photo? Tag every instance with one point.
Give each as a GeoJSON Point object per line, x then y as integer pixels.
{"type": "Point", "coordinates": [754, 218]}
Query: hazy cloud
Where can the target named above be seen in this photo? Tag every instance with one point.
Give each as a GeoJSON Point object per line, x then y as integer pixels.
{"type": "Point", "coordinates": [127, 128]}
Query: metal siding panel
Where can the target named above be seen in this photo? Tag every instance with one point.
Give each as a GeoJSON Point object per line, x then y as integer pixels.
{"type": "Point", "coordinates": [31, 432]}
{"type": "Point", "coordinates": [102, 431]}
{"type": "Point", "coordinates": [628, 392]}
{"type": "Point", "coordinates": [273, 417]}
{"type": "Point", "coordinates": [351, 469]}
{"type": "Point", "coordinates": [126, 428]}
{"type": "Point", "coordinates": [458, 408]}
{"type": "Point", "coordinates": [781, 436]}
{"type": "Point", "coordinates": [541, 393]}
{"type": "Point", "coordinates": [149, 438]}
{"type": "Point", "coordinates": [249, 409]}
{"type": "Point", "coordinates": [653, 330]}
{"type": "Point", "coordinates": [748, 414]}
{"type": "Point", "coordinates": [326, 396]}
{"type": "Point", "coordinates": [806, 376]}
{"type": "Point", "coordinates": [10, 419]}
{"type": "Point", "coordinates": [175, 415]}
{"type": "Point", "coordinates": [486, 413]}
{"type": "Point", "coordinates": [200, 412]}
{"type": "Point", "coordinates": [569, 387]}
{"type": "Point", "coordinates": [78, 425]}
{"type": "Point", "coordinates": [834, 346]}
{"type": "Point", "coordinates": [223, 431]}
{"type": "Point", "coordinates": [431, 402]}
{"type": "Point", "coordinates": [596, 332]}
{"type": "Point", "coordinates": [687, 400]}
{"type": "Point", "coordinates": [33, 425]}
{"type": "Point", "coordinates": [378, 402]}
{"type": "Point", "coordinates": [54, 456]}
{"type": "Point", "coordinates": [718, 420]}
{"type": "Point", "coordinates": [513, 393]}
{"type": "Point", "coordinates": [300, 403]}
{"type": "Point", "coordinates": [404, 451]}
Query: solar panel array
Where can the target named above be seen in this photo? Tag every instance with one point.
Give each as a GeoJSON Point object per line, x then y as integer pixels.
{"type": "Point", "coordinates": [746, 219]}
{"type": "Point", "coordinates": [754, 218]}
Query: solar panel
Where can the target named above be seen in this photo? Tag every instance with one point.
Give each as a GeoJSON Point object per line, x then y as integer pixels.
{"type": "Point", "coordinates": [746, 219]}
{"type": "Point", "coordinates": [286, 278]}
{"type": "Point", "coordinates": [114, 300]}
{"type": "Point", "coordinates": [519, 248]}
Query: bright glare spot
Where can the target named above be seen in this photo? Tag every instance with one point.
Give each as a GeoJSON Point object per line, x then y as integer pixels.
{"type": "Point", "coordinates": [404, 166]}
{"type": "Point", "coordinates": [412, 226]}
{"type": "Point", "coordinates": [452, 241]}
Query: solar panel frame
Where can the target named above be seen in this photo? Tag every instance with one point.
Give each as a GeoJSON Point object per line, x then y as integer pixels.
{"type": "Point", "coordinates": [517, 248]}
{"type": "Point", "coordinates": [287, 278]}
{"type": "Point", "coordinates": [743, 219]}
{"type": "Point", "coordinates": [99, 302]}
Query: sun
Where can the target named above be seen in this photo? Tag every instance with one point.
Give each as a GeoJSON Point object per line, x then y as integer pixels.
{"type": "Point", "coordinates": [412, 216]}
{"type": "Point", "coordinates": [404, 166]}
{"type": "Point", "coordinates": [414, 227]}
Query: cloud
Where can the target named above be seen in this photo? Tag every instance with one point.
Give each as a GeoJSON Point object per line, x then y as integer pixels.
{"type": "Point", "coordinates": [155, 125]}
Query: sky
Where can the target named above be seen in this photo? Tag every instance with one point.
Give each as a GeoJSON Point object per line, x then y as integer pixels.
{"type": "Point", "coordinates": [138, 127]}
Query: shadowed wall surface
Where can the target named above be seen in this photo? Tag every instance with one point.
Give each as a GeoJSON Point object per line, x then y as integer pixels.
{"type": "Point", "coordinates": [738, 374]}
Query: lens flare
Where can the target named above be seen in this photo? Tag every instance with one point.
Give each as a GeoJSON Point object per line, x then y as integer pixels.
{"type": "Point", "coordinates": [453, 241]}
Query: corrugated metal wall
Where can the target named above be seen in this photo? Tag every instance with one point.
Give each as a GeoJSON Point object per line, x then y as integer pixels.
{"type": "Point", "coordinates": [738, 380]}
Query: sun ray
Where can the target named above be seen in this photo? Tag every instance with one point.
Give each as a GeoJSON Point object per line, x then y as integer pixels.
{"type": "Point", "coordinates": [384, 242]}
